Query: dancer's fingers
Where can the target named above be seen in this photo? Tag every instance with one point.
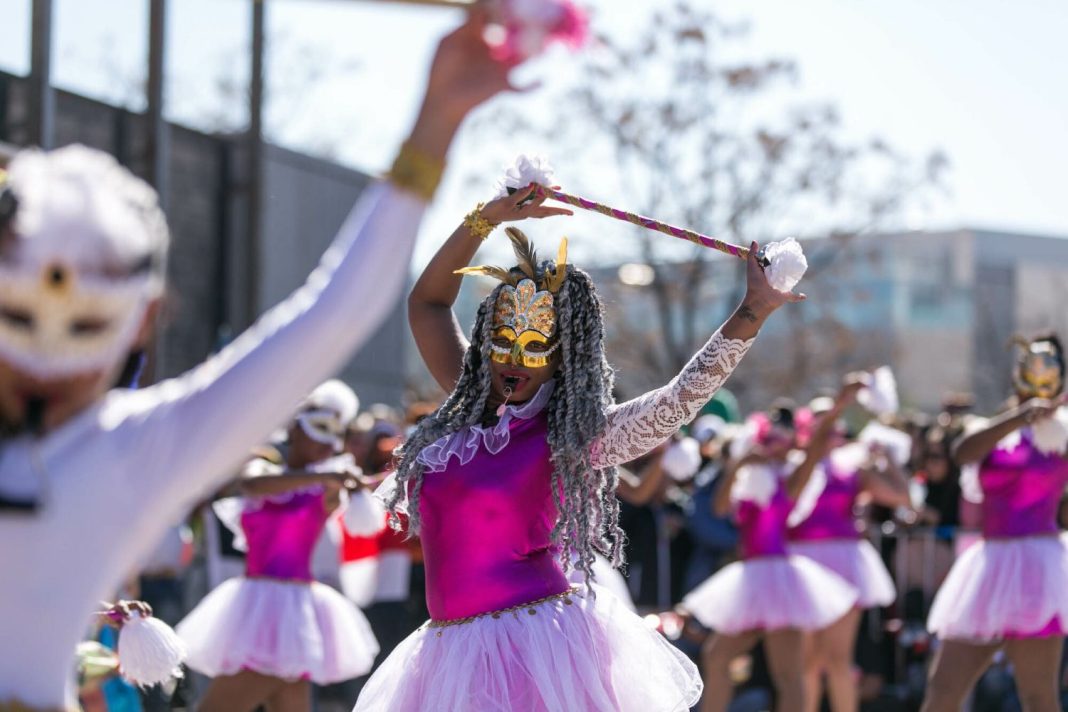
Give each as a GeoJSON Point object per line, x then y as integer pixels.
{"type": "Point", "coordinates": [547, 212]}
{"type": "Point", "coordinates": [527, 197]}
{"type": "Point", "coordinates": [752, 261]}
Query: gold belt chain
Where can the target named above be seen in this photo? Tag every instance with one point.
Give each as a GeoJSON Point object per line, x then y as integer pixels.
{"type": "Point", "coordinates": [530, 606]}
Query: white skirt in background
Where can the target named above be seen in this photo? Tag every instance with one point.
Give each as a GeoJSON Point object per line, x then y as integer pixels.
{"type": "Point", "coordinates": [770, 593]}
{"type": "Point", "coordinates": [289, 630]}
{"type": "Point", "coordinates": [857, 562]}
{"type": "Point", "coordinates": [1005, 588]}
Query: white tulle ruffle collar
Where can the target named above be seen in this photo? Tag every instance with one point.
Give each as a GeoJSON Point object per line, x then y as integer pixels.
{"type": "Point", "coordinates": [464, 443]}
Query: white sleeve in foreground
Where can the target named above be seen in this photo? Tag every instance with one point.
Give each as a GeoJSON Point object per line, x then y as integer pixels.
{"type": "Point", "coordinates": [190, 432]}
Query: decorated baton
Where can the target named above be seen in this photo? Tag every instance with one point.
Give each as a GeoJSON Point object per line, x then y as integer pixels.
{"type": "Point", "coordinates": [784, 262]}
{"type": "Point", "coordinates": [642, 221]}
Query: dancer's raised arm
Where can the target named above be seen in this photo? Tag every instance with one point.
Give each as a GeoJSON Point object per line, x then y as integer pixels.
{"type": "Point", "coordinates": [639, 425]}
{"type": "Point", "coordinates": [437, 332]}
{"type": "Point", "coordinates": [819, 445]}
{"type": "Point", "coordinates": [974, 445]}
{"type": "Point", "coordinates": [202, 423]}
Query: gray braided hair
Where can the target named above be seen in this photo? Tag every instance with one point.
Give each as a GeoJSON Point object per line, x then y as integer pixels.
{"type": "Point", "coordinates": [588, 511]}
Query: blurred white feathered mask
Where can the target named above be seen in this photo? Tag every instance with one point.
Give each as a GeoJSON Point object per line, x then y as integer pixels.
{"type": "Point", "coordinates": [82, 255]}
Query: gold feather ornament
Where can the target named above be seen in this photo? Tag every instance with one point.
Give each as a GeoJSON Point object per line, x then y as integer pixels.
{"type": "Point", "coordinates": [526, 265]}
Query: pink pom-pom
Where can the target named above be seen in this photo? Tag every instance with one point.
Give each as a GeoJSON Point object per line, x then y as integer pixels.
{"type": "Point", "coordinates": [530, 26]}
{"type": "Point", "coordinates": [761, 425]}
{"type": "Point", "coordinates": [804, 423]}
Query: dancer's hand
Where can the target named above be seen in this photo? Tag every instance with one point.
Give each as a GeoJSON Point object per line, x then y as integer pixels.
{"type": "Point", "coordinates": [351, 478]}
{"type": "Point", "coordinates": [121, 612]}
{"type": "Point", "coordinates": [520, 205]}
{"type": "Point", "coordinates": [462, 76]}
{"type": "Point", "coordinates": [760, 297]}
{"type": "Point", "coordinates": [853, 384]}
{"type": "Point", "coordinates": [1037, 409]}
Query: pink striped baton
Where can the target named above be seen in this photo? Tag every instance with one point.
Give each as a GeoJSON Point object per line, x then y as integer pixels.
{"type": "Point", "coordinates": [641, 220]}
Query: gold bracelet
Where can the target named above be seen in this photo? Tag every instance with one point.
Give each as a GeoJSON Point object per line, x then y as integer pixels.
{"type": "Point", "coordinates": [479, 226]}
{"type": "Point", "coordinates": [415, 171]}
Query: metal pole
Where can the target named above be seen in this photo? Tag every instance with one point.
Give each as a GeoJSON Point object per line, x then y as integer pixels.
{"type": "Point", "coordinates": [902, 552]}
{"type": "Point", "coordinates": [42, 101]}
{"type": "Point", "coordinates": [158, 139]}
{"type": "Point", "coordinates": [157, 170]}
{"type": "Point", "coordinates": [255, 160]}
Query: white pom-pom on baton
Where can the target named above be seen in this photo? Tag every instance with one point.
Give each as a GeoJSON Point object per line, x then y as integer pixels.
{"type": "Point", "coordinates": [524, 171]}
{"type": "Point", "coordinates": [364, 515]}
{"type": "Point", "coordinates": [682, 459]}
{"type": "Point", "coordinates": [786, 264]}
{"type": "Point", "coordinates": [150, 652]}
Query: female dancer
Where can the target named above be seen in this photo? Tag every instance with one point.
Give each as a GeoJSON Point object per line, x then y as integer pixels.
{"type": "Point", "coordinates": [768, 594]}
{"type": "Point", "coordinates": [91, 478]}
{"type": "Point", "coordinates": [516, 471]}
{"type": "Point", "coordinates": [823, 528]}
{"type": "Point", "coordinates": [265, 635]}
{"type": "Point", "coordinates": [1008, 590]}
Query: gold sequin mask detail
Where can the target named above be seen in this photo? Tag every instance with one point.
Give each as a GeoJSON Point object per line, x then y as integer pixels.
{"type": "Point", "coordinates": [524, 324]}
{"type": "Point", "coordinates": [1038, 370]}
{"type": "Point", "coordinates": [524, 315]}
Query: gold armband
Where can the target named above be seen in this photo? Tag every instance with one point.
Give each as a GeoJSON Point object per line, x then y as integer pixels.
{"type": "Point", "coordinates": [415, 171]}
{"type": "Point", "coordinates": [479, 226]}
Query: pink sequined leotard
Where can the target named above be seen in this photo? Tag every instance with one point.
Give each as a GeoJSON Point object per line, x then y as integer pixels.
{"type": "Point", "coordinates": [832, 516]}
{"type": "Point", "coordinates": [281, 533]}
{"type": "Point", "coordinates": [1021, 490]}
{"type": "Point", "coordinates": [762, 529]}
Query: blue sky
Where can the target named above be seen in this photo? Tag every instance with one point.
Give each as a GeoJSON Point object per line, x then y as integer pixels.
{"type": "Point", "coordinates": [983, 80]}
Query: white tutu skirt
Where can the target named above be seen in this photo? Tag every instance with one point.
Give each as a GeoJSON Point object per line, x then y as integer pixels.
{"type": "Point", "coordinates": [294, 631]}
{"type": "Point", "coordinates": [857, 562]}
{"type": "Point", "coordinates": [607, 578]}
{"type": "Point", "coordinates": [1005, 588]}
{"type": "Point", "coordinates": [770, 593]}
{"type": "Point", "coordinates": [589, 655]}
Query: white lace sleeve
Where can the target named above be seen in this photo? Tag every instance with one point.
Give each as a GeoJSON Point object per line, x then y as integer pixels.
{"type": "Point", "coordinates": [639, 425]}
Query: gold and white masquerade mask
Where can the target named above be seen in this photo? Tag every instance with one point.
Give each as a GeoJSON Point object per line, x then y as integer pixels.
{"type": "Point", "coordinates": [524, 315]}
{"type": "Point", "coordinates": [82, 247]}
{"type": "Point", "coordinates": [1039, 370]}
